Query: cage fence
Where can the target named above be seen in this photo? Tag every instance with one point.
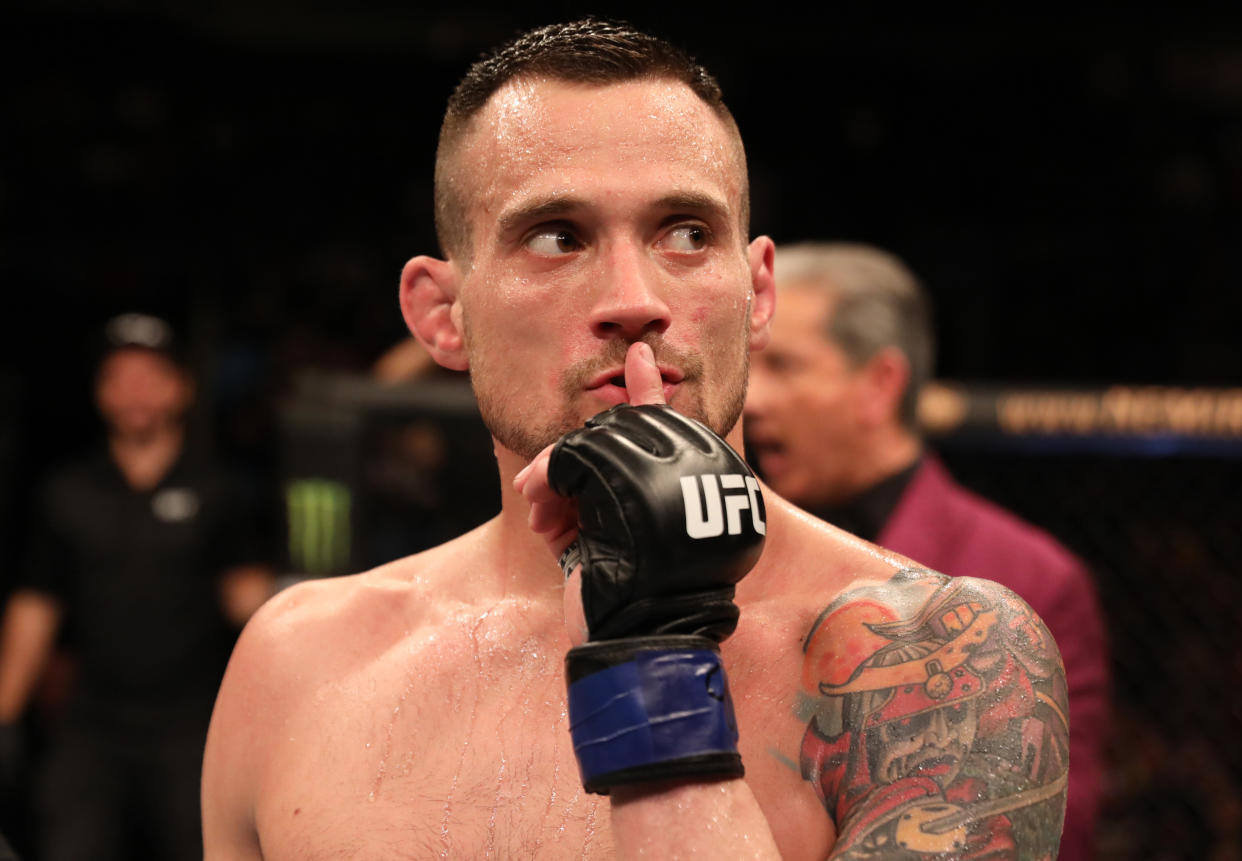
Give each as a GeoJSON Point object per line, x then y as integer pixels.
{"type": "Point", "coordinates": [1156, 513]}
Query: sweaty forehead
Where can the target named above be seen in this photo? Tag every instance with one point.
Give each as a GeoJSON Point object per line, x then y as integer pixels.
{"type": "Point", "coordinates": [540, 136]}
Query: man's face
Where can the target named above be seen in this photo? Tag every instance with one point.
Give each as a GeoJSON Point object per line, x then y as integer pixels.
{"type": "Point", "coordinates": [601, 216]}
{"type": "Point", "coordinates": [802, 422]}
{"type": "Point", "coordinates": [139, 392]}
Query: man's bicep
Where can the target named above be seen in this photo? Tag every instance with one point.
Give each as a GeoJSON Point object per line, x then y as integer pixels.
{"type": "Point", "coordinates": [937, 721]}
{"type": "Point", "coordinates": [232, 759]}
{"type": "Point", "coordinates": [228, 828]}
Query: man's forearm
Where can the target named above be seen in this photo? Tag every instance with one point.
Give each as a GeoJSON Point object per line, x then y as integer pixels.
{"type": "Point", "coordinates": [27, 633]}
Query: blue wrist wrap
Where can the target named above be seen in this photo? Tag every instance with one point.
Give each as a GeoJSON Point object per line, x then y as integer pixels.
{"type": "Point", "coordinates": [660, 714]}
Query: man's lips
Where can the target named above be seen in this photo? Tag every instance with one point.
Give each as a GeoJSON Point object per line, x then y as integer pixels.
{"type": "Point", "coordinates": [610, 385]}
{"type": "Point", "coordinates": [616, 377]}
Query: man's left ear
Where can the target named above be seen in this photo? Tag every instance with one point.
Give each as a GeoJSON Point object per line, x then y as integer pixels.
{"type": "Point", "coordinates": [761, 254]}
{"type": "Point", "coordinates": [886, 376]}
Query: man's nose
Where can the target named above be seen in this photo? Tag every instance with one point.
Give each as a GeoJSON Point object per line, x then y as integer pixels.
{"type": "Point", "coordinates": [938, 728]}
{"type": "Point", "coordinates": [630, 303]}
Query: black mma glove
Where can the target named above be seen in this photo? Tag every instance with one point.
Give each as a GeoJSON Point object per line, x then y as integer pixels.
{"type": "Point", "coordinates": [670, 519]}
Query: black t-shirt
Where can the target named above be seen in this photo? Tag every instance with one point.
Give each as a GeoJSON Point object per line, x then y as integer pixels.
{"type": "Point", "coordinates": [137, 574]}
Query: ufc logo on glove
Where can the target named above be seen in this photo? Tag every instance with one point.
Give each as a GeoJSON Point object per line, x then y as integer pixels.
{"type": "Point", "coordinates": [706, 517]}
{"type": "Point", "coordinates": [662, 542]}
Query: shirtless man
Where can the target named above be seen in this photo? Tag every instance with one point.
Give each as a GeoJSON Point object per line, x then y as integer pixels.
{"type": "Point", "coordinates": [591, 199]}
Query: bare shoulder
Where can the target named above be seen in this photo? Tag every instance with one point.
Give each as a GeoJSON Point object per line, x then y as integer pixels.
{"type": "Point", "coordinates": [312, 627]}
{"type": "Point", "coordinates": [299, 641]}
{"type": "Point", "coordinates": [319, 629]}
{"type": "Point", "coordinates": [320, 625]}
{"type": "Point", "coordinates": [937, 720]}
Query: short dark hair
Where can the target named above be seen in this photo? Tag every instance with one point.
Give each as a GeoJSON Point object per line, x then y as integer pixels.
{"type": "Point", "coordinates": [589, 51]}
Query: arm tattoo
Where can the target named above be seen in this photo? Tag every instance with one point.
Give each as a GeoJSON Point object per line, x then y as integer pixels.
{"type": "Point", "coordinates": [937, 722]}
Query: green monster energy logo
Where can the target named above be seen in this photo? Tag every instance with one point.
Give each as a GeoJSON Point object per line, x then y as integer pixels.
{"type": "Point", "coordinates": [319, 525]}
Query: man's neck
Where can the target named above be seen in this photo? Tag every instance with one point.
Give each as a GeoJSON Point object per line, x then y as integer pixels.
{"type": "Point", "coordinates": [145, 459]}
{"type": "Point", "coordinates": [887, 454]}
{"type": "Point", "coordinates": [866, 514]}
{"type": "Point", "coordinates": [527, 560]}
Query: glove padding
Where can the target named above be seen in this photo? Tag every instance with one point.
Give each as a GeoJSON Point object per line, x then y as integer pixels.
{"type": "Point", "coordinates": [670, 519]}
{"type": "Point", "coordinates": [648, 479]}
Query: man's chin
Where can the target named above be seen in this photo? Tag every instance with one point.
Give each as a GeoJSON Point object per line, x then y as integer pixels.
{"type": "Point", "coordinates": [523, 440]}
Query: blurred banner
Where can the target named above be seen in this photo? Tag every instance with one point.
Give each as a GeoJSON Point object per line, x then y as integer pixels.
{"type": "Point", "coordinates": [1158, 419]}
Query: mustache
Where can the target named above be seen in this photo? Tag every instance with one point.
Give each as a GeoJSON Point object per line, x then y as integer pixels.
{"type": "Point", "coordinates": [613, 354]}
{"type": "Point", "coordinates": [931, 761]}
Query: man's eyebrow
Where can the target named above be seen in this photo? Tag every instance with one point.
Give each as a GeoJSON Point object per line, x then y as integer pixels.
{"type": "Point", "coordinates": [539, 209]}
{"type": "Point", "coordinates": [691, 201]}
{"type": "Point", "coordinates": [536, 210]}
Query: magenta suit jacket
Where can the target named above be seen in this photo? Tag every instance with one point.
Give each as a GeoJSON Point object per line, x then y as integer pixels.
{"type": "Point", "coordinates": [940, 524]}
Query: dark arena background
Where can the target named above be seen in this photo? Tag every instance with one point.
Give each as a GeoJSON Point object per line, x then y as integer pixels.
{"type": "Point", "coordinates": [1068, 185]}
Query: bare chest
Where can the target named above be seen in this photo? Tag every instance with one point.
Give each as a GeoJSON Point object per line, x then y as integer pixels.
{"type": "Point", "coordinates": [460, 748]}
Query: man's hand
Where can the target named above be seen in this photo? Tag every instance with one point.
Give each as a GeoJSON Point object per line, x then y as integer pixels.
{"type": "Point", "coordinates": [669, 519]}
{"type": "Point", "coordinates": [554, 516]}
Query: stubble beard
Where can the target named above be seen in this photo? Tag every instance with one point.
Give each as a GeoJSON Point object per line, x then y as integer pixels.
{"type": "Point", "coordinates": [519, 427]}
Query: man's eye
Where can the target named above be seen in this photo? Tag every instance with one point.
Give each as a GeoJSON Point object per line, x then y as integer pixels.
{"type": "Point", "coordinates": [686, 237]}
{"type": "Point", "coordinates": [553, 242]}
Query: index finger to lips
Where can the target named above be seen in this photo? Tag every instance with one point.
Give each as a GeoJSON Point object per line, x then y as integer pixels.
{"type": "Point", "coordinates": [642, 376]}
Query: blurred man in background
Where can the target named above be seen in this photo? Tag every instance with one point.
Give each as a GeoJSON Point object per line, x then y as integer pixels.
{"type": "Point", "coordinates": [145, 555]}
{"type": "Point", "coordinates": [831, 423]}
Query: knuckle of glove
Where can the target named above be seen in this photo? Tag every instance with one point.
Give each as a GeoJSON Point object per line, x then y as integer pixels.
{"type": "Point", "coordinates": [566, 470]}
{"type": "Point", "coordinates": [666, 511]}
